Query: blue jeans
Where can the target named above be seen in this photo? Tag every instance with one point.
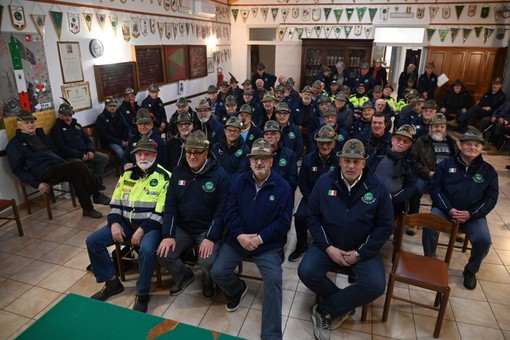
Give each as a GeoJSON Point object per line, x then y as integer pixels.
{"type": "Point", "coordinates": [415, 201]}
{"type": "Point", "coordinates": [478, 233]}
{"type": "Point", "coordinates": [174, 264]}
{"type": "Point", "coordinates": [370, 282]}
{"type": "Point", "coordinates": [117, 150]}
{"type": "Point", "coordinates": [269, 265]}
{"type": "Point", "coordinates": [102, 264]}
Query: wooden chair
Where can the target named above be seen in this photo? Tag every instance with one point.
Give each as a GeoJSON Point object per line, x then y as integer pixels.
{"type": "Point", "coordinates": [4, 204]}
{"type": "Point", "coordinates": [48, 197]}
{"type": "Point", "coordinates": [113, 164]}
{"type": "Point", "coordinates": [120, 259]}
{"type": "Point", "coordinates": [346, 271]}
{"type": "Point", "coordinates": [241, 274]}
{"type": "Point", "coordinates": [423, 271]}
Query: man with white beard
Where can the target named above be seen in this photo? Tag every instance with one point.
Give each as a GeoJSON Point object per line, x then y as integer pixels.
{"type": "Point", "coordinates": [211, 127]}
{"type": "Point", "coordinates": [429, 151]}
{"type": "Point", "coordinates": [136, 215]}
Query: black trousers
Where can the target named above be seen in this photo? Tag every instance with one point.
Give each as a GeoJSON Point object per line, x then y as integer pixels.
{"type": "Point", "coordinates": [76, 173]}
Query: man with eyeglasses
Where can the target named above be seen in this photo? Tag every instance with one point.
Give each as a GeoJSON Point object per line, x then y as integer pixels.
{"type": "Point", "coordinates": [397, 168]}
{"type": "Point", "coordinates": [256, 230]}
{"type": "Point", "coordinates": [136, 215]}
{"type": "Point", "coordinates": [320, 161]}
{"type": "Point", "coordinates": [211, 127]}
{"type": "Point", "coordinates": [231, 150]}
{"type": "Point", "coordinates": [182, 106]}
{"type": "Point", "coordinates": [229, 110]}
{"type": "Point", "coordinates": [34, 159]}
{"type": "Point", "coordinates": [145, 125]}
{"type": "Point", "coordinates": [174, 153]}
{"type": "Point", "coordinates": [194, 214]}
{"type": "Point", "coordinates": [249, 131]}
{"type": "Point", "coordinates": [291, 134]}
{"type": "Point", "coordinates": [350, 218]}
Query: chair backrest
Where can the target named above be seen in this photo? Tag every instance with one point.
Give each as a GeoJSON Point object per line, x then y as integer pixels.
{"type": "Point", "coordinates": [430, 220]}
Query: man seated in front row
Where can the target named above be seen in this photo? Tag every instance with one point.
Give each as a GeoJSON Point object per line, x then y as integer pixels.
{"type": "Point", "coordinates": [350, 217]}
{"type": "Point", "coordinates": [136, 215]}
{"type": "Point", "coordinates": [257, 218]}
{"type": "Point", "coordinates": [33, 158]}
{"type": "Point", "coordinates": [464, 188]}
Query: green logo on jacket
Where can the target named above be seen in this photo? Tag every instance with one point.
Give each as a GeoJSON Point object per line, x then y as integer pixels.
{"type": "Point", "coordinates": [208, 186]}
{"type": "Point", "coordinates": [154, 182]}
{"type": "Point", "coordinates": [478, 178]}
{"type": "Point", "coordinates": [292, 135]}
{"type": "Point", "coordinates": [282, 162]}
{"type": "Point", "coordinates": [239, 152]}
{"type": "Point", "coordinates": [368, 198]}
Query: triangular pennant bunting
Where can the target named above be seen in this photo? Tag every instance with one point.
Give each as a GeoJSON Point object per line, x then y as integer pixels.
{"type": "Point", "coordinates": [316, 14]}
{"type": "Point", "coordinates": [39, 22]}
{"type": "Point", "coordinates": [244, 14]}
{"type": "Point", "coordinates": [281, 32]}
{"type": "Point", "coordinates": [274, 13]}
{"type": "Point", "coordinates": [305, 14]}
{"type": "Point", "coordinates": [309, 31]}
{"type": "Point", "coordinates": [372, 11]}
{"type": "Point", "coordinates": [235, 12]}
{"type": "Point", "coordinates": [295, 12]}
{"type": "Point", "coordinates": [126, 30]}
{"type": "Point", "coordinates": [101, 18]}
{"type": "Point", "coordinates": [487, 34]}
{"type": "Point", "coordinates": [338, 14]}
{"type": "Point", "coordinates": [478, 30]}
{"type": "Point", "coordinates": [485, 12]}
{"type": "Point", "coordinates": [254, 11]}
{"type": "Point", "coordinates": [290, 32]}
{"type": "Point", "coordinates": [264, 10]}
{"type": "Point", "coordinates": [135, 26]}
{"type": "Point", "coordinates": [338, 30]}
{"type": "Point", "coordinates": [285, 13]}
{"type": "Point", "coordinates": [453, 33]}
{"type": "Point", "coordinates": [465, 34]}
{"type": "Point", "coordinates": [430, 33]}
{"type": "Point", "coordinates": [361, 13]}
{"type": "Point", "coordinates": [368, 31]}
{"type": "Point", "coordinates": [349, 12]}
{"type": "Point", "coordinates": [73, 21]}
{"type": "Point", "coordinates": [347, 30]}
{"type": "Point", "coordinates": [299, 31]}
{"type": "Point", "coordinates": [114, 21]}
{"type": "Point", "coordinates": [327, 11]}
{"type": "Point", "coordinates": [318, 30]}
{"type": "Point", "coordinates": [88, 17]}
{"type": "Point", "coordinates": [384, 12]}
{"type": "Point", "coordinates": [443, 32]}
{"type": "Point", "coordinates": [152, 25]}
{"type": "Point", "coordinates": [472, 10]}
{"type": "Point", "coordinates": [433, 11]}
{"type": "Point", "coordinates": [327, 31]}
{"type": "Point", "coordinates": [357, 30]}
{"type": "Point", "coordinates": [420, 12]}
{"type": "Point", "coordinates": [56, 18]}
{"type": "Point", "coordinates": [188, 30]}
{"type": "Point", "coordinates": [161, 29]}
{"type": "Point", "coordinates": [18, 17]}
{"type": "Point", "coordinates": [458, 10]}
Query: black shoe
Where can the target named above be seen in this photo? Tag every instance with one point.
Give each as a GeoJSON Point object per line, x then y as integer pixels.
{"type": "Point", "coordinates": [507, 167]}
{"type": "Point", "coordinates": [411, 230]}
{"type": "Point", "coordinates": [184, 282]}
{"type": "Point", "coordinates": [99, 182]}
{"type": "Point", "coordinates": [234, 301]}
{"type": "Point", "coordinates": [92, 213]}
{"type": "Point", "coordinates": [112, 287]}
{"type": "Point", "coordinates": [296, 254]}
{"type": "Point", "coordinates": [141, 303]}
{"type": "Point", "coordinates": [469, 280]}
{"type": "Point", "coordinates": [208, 290]}
{"type": "Point", "coordinates": [101, 198]}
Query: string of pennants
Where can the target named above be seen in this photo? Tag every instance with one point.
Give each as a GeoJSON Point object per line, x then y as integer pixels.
{"type": "Point", "coordinates": [316, 14]}
{"type": "Point", "coordinates": [466, 32]}
{"type": "Point", "coordinates": [131, 26]}
{"type": "Point", "coordinates": [319, 31]}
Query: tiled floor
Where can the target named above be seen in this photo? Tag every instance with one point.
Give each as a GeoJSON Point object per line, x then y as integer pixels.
{"type": "Point", "coordinates": [37, 270]}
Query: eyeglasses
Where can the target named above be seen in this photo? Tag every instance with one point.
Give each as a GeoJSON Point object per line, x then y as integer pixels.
{"type": "Point", "coordinates": [195, 153]}
{"type": "Point", "coordinates": [404, 141]}
{"type": "Point", "coordinates": [262, 159]}
{"type": "Point", "coordinates": [183, 124]}
{"type": "Point", "coordinates": [232, 131]}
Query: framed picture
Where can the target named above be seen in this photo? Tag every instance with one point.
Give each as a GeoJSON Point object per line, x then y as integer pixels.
{"type": "Point", "coordinates": [176, 60]}
{"type": "Point", "coordinates": [210, 65]}
{"type": "Point", "coordinates": [70, 61]}
{"type": "Point", "coordinates": [150, 65]}
{"type": "Point", "coordinates": [78, 95]}
{"type": "Point", "coordinates": [113, 79]}
{"type": "Point", "coordinates": [197, 61]}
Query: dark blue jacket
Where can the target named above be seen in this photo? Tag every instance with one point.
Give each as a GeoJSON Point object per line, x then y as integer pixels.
{"type": "Point", "coordinates": [252, 135]}
{"type": "Point", "coordinates": [174, 153]}
{"type": "Point", "coordinates": [375, 147]}
{"type": "Point", "coordinates": [305, 113]}
{"type": "Point", "coordinates": [128, 114]}
{"type": "Point", "coordinates": [292, 139]}
{"type": "Point", "coordinates": [493, 100]}
{"type": "Point", "coordinates": [341, 138]}
{"type": "Point", "coordinates": [366, 80]}
{"type": "Point", "coordinates": [212, 129]}
{"type": "Point", "coordinates": [128, 157]}
{"type": "Point", "coordinates": [268, 78]}
{"type": "Point", "coordinates": [422, 128]}
{"type": "Point", "coordinates": [267, 212]}
{"type": "Point", "coordinates": [71, 141]}
{"type": "Point", "coordinates": [157, 108]}
{"type": "Point", "coordinates": [360, 220]}
{"type": "Point", "coordinates": [111, 129]}
{"type": "Point", "coordinates": [29, 163]}
{"type": "Point", "coordinates": [312, 168]}
{"type": "Point", "coordinates": [427, 84]}
{"type": "Point", "coordinates": [359, 125]}
{"type": "Point", "coordinates": [233, 160]}
{"type": "Point", "coordinates": [195, 201]}
{"type": "Point", "coordinates": [456, 185]}
{"type": "Point", "coordinates": [285, 165]}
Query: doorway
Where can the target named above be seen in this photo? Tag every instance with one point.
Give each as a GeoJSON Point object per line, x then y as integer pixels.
{"type": "Point", "coordinates": [264, 54]}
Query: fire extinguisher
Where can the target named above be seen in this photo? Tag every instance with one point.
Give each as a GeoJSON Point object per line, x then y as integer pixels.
{"type": "Point", "coordinates": [220, 75]}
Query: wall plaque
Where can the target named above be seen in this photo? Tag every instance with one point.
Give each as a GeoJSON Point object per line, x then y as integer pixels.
{"type": "Point", "coordinates": [113, 79]}
{"type": "Point", "coordinates": [197, 61]}
{"type": "Point", "coordinates": [150, 63]}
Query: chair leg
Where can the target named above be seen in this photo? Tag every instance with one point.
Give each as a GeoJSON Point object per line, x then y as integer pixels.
{"type": "Point", "coordinates": [465, 244]}
{"type": "Point", "coordinates": [73, 195]}
{"type": "Point", "coordinates": [120, 267]}
{"type": "Point", "coordinates": [389, 294]}
{"type": "Point", "coordinates": [25, 198]}
{"type": "Point", "coordinates": [16, 215]}
{"type": "Point", "coordinates": [364, 313]}
{"type": "Point", "coordinates": [159, 282]}
{"type": "Point", "coordinates": [47, 202]}
{"type": "Point", "coordinates": [442, 312]}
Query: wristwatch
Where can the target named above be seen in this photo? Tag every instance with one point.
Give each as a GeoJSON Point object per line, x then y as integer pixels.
{"type": "Point", "coordinates": [358, 257]}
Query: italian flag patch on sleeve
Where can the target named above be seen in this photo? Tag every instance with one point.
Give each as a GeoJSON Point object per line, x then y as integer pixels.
{"type": "Point", "coordinates": [181, 182]}
{"type": "Point", "coordinates": [332, 193]}
{"type": "Point", "coordinates": [452, 170]}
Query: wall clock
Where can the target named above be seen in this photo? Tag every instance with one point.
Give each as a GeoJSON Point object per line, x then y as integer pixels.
{"type": "Point", "coordinates": [96, 48]}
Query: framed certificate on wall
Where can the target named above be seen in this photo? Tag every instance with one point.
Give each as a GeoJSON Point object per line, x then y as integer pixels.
{"type": "Point", "coordinates": [197, 61]}
{"type": "Point", "coordinates": [70, 61]}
